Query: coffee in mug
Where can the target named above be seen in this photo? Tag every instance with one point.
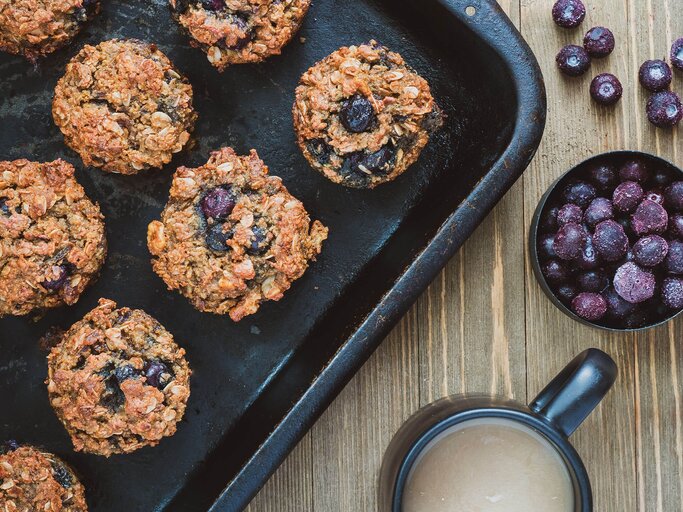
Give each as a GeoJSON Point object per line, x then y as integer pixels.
{"type": "Point", "coordinates": [489, 465]}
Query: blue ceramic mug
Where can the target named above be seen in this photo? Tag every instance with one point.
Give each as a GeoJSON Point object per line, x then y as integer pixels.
{"type": "Point", "coordinates": [555, 414]}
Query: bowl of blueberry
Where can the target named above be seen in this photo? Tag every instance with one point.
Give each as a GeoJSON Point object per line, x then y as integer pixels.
{"type": "Point", "coordinates": [607, 241]}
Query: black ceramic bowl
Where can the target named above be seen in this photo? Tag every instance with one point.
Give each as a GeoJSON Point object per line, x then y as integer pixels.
{"type": "Point", "coordinates": [553, 197]}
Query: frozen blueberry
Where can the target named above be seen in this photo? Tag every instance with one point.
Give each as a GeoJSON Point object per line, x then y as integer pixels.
{"type": "Point", "coordinates": [588, 259]}
{"type": "Point", "coordinates": [157, 374]}
{"type": "Point", "coordinates": [676, 226]}
{"type": "Point", "coordinates": [593, 281]}
{"type": "Point", "coordinates": [673, 195]}
{"type": "Point", "coordinates": [649, 217]}
{"type": "Point", "coordinates": [62, 475]}
{"type": "Point", "coordinates": [661, 179]}
{"type": "Point", "coordinates": [555, 272]}
{"type": "Point", "coordinates": [634, 170]}
{"type": "Point", "coordinates": [548, 220]}
{"type": "Point", "coordinates": [677, 54]}
{"type": "Point", "coordinates": [569, 213]}
{"type": "Point", "coordinates": [617, 307]}
{"type": "Point", "coordinates": [603, 176]}
{"type": "Point", "coordinates": [569, 13]}
{"type": "Point", "coordinates": [569, 241]}
{"type": "Point", "coordinates": [545, 247]}
{"type": "Point", "coordinates": [573, 60]}
{"type": "Point", "coordinates": [655, 195]}
{"type": "Point", "coordinates": [4, 209]}
{"type": "Point", "coordinates": [357, 114]}
{"type": "Point", "coordinates": [627, 196]}
{"type": "Point", "coordinates": [606, 89]}
{"type": "Point", "coordinates": [674, 259]}
{"type": "Point", "coordinates": [634, 284]}
{"type": "Point", "coordinates": [259, 241]}
{"type": "Point", "coordinates": [650, 250]}
{"type": "Point", "coordinates": [217, 238]}
{"type": "Point", "coordinates": [655, 75]}
{"type": "Point", "coordinates": [610, 241]}
{"type": "Point", "coordinates": [62, 276]}
{"type": "Point", "coordinates": [566, 292]}
{"type": "Point", "coordinates": [218, 202]}
{"type": "Point", "coordinates": [672, 292]}
{"type": "Point", "coordinates": [600, 209]}
{"type": "Point", "coordinates": [664, 109]}
{"type": "Point", "coordinates": [589, 306]}
{"type": "Point", "coordinates": [579, 193]}
{"type": "Point", "coordinates": [599, 42]}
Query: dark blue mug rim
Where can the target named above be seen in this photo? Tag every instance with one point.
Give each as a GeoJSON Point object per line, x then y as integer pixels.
{"type": "Point", "coordinates": [582, 488]}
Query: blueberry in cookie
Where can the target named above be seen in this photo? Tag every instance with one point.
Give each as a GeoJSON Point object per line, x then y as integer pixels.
{"type": "Point", "coordinates": [35, 28]}
{"type": "Point", "coordinates": [239, 31]}
{"type": "Point", "coordinates": [52, 238]}
{"type": "Point", "coordinates": [118, 381]}
{"type": "Point", "coordinates": [31, 479]}
{"type": "Point", "coordinates": [123, 107]}
{"type": "Point", "coordinates": [231, 236]}
{"type": "Point", "coordinates": [362, 115]}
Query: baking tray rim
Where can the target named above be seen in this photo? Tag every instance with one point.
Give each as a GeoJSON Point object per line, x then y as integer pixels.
{"type": "Point", "coordinates": [496, 30]}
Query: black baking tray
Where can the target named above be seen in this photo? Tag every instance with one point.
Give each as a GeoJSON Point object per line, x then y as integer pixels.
{"type": "Point", "coordinates": [258, 385]}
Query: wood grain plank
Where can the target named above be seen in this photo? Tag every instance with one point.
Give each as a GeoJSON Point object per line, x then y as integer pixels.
{"type": "Point", "coordinates": [290, 489]}
{"type": "Point", "coordinates": [577, 129]}
{"type": "Point", "coordinates": [472, 339]}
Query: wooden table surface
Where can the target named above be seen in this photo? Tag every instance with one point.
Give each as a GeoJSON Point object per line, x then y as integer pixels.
{"type": "Point", "coordinates": [484, 325]}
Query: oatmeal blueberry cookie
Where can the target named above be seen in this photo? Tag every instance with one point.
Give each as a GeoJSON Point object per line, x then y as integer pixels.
{"type": "Point", "coordinates": [362, 116]}
{"type": "Point", "coordinates": [35, 28]}
{"type": "Point", "coordinates": [239, 31]}
{"type": "Point", "coordinates": [118, 381]}
{"type": "Point", "coordinates": [52, 239]}
{"type": "Point", "coordinates": [231, 236]}
{"type": "Point", "coordinates": [32, 480]}
{"type": "Point", "coordinates": [123, 106]}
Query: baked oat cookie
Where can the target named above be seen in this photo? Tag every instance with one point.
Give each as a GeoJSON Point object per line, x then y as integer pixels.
{"type": "Point", "coordinates": [52, 239]}
{"type": "Point", "coordinates": [117, 381]}
{"type": "Point", "coordinates": [239, 31]}
{"type": "Point", "coordinates": [123, 106]}
{"type": "Point", "coordinates": [35, 28]}
{"type": "Point", "coordinates": [33, 480]}
{"type": "Point", "coordinates": [362, 115]}
{"type": "Point", "coordinates": [231, 236]}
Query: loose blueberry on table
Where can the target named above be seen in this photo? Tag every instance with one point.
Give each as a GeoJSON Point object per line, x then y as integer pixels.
{"type": "Point", "coordinates": [599, 42]}
{"type": "Point", "coordinates": [664, 109]}
{"type": "Point", "coordinates": [569, 13]}
{"type": "Point", "coordinates": [677, 54]}
{"type": "Point", "coordinates": [610, 243]}
{"type": "Point", "coordinates": [573, 60]}
{"type": "Point", "coordinates": [655, 75]}
{"type": "Point", "coordinates": [606, 89]}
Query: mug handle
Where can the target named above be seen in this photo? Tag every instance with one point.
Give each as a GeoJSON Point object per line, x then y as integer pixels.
{"type": "Point", "coordinates": [571, 396]}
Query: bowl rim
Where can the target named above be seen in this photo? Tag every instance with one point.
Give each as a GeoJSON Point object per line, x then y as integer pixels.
{"type": "Point", "coordinates": [533, 236]}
